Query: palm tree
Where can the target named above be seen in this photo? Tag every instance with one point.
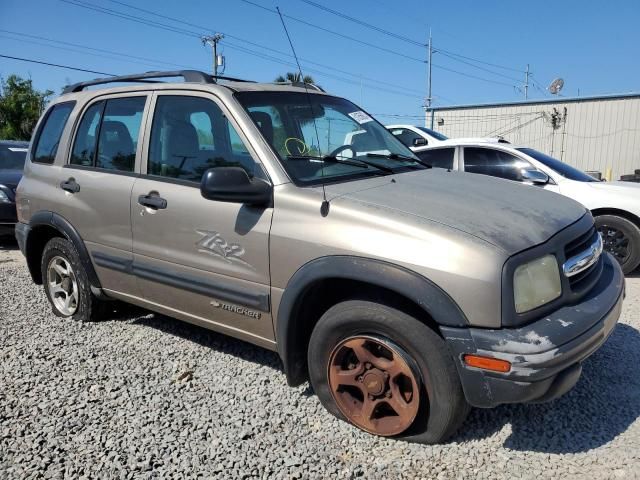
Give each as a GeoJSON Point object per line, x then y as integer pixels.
{"type": "Point", "coordinates": [294, 78]}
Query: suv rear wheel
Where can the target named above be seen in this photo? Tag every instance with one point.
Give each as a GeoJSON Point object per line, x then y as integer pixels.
{"type": "Point", "coordinates": [66, 283]}
{"type": "Point", "coordinates": [621, 239]}
{"type": "Point", "coordinates": [385, 372]}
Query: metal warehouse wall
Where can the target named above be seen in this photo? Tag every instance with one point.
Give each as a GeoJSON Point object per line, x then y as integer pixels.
{"type": "Point", "coordinates": [594, 133]}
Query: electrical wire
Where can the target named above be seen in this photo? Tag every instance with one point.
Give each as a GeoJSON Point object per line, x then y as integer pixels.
{"type": "Point", "coordinates": [30, 60]}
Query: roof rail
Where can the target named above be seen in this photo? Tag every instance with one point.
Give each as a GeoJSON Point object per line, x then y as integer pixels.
{"type": "Point", "coordinates": [302, 85]}
{"type": "Point", "coordinates": [195, 76]}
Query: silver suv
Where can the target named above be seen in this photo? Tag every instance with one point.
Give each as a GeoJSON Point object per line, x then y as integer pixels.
{"type": "Point", "coordinates": [289, 218]}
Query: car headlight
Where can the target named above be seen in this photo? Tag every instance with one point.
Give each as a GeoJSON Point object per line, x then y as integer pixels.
{"type": "Point", "coordinates": [536, 283]}
{"type": "Point", "coordinates": [4, 197]}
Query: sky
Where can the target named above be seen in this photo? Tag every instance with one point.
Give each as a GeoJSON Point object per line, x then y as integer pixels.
{"type": "Point", "coordinates": [481, 48]}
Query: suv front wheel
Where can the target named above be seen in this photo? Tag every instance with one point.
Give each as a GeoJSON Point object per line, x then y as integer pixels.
{"type": "Point", "coordinates": [385, 372]}
{"type": "Point", "coordinates": [66, 283]}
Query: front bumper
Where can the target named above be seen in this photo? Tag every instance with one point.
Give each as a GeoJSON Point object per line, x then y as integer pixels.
{"type": "Point", "coordinates": [545, 355]}
{"type": "Point", "coordinates": [8, 218]}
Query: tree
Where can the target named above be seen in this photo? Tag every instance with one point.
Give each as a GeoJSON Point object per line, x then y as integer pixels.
{"type": "Point", "coordinates": [20, 107]}
{"type": "Point", "coordinates": [294, 78]}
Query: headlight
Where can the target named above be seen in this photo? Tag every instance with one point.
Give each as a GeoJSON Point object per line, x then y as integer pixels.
{"type": "Point", "coordinates": [536, 283]}
{"type": "Point", "coordinates": [3, 197]}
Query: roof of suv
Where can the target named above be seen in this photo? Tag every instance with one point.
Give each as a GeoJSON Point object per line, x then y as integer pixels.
{"type": "Point", "coordinates": [148, 81]}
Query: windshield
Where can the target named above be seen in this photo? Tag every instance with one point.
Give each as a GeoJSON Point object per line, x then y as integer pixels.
{"type": "Point", "coordinates": [322, 139]}
{"type": "Point", "coordinates": [562, 168]}
{"type": "Point", "coordinates": [12, 156]}
{"type": "Point", "coordinates": [433, 133]}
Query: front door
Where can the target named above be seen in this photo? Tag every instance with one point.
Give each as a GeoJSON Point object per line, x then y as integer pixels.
{"type": "Point", "coordinates": [204, 259]}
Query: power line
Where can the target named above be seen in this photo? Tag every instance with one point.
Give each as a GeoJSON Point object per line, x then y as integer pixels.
{"type": "Point", "coordinates": [480, 61]}
{"type": "Point", "coordinates": [194, 34]}
{"type": "Point", "coordinates": [365, 24]}
{"type": "Point", "coordinates": [477, 66]}
{"type": "Point", "coordinates": [30, 60]}
{"type": "Point", "coordinates": [333, 32]}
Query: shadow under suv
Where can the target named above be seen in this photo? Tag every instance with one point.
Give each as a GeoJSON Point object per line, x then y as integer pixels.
{"type": "Point", "coordinates": [290, 218]}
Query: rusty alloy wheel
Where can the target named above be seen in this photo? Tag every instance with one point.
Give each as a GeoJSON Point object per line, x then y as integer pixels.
{"type": "Point", "coordinates": [373, 385]}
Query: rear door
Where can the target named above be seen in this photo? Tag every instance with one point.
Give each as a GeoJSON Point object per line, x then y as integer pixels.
{"type": "Point", "coordinates": [97, 181]}
{"type": "Point", "coordinates": [208, 260]}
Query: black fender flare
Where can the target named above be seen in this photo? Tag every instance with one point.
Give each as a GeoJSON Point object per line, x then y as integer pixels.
{"type": "Point", "coordinates": [419, 289]}
{"type": "Point", "coordinates": [62, 225]}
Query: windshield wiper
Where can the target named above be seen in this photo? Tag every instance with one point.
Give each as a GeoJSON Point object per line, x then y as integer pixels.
{"type": "Point", "coordinates": [396, 156]}
{"type": "Point", "coordinates": [329, 159]}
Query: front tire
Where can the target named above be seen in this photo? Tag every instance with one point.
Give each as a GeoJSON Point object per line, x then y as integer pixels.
{"type": "Point", "coordinates": [385, 372]}
{"type": "Point", "coordinates": [66, 282]}
{"type": "Point", "coordinates": [621, 238]}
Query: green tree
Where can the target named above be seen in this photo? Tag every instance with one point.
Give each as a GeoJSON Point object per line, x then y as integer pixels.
{"type": "Point", "coordinates": [20, 107]}
{"type": "Point", "coordinates": [294, 78]}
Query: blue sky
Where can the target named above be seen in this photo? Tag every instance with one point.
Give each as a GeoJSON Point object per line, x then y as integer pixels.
{"type": "Point", "coordinates": [592, 47]}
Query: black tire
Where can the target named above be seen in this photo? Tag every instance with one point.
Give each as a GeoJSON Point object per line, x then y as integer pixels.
{"type": "Point", "coordinates": [445, 407]}
{"type": "Point", "coordinates": [88, 306]}
{"type": "Point", "coordinates": [631, 233]}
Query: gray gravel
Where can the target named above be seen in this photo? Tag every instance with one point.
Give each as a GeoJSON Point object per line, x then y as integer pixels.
{"type": "Point", "coordinates": [144, 395]}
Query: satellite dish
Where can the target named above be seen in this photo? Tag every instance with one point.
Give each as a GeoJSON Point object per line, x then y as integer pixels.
{"type": "Point", "coordinates": [556, 86]}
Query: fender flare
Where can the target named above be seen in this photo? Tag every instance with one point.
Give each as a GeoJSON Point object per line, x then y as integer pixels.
{"type": "Point", "coordinates": [62, 225]}
{"type": "Point", "coordinates": [419, 289]}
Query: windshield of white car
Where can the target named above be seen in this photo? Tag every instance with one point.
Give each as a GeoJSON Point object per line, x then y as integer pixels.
{"type": "Point", "coordinates": [12, 156]}
{"type": "Point", "coordinates": [556, 165]}
{"type": "Point", "coordinates": [433, 133]}
{"type": "Point", "coordinates": [303, 128]}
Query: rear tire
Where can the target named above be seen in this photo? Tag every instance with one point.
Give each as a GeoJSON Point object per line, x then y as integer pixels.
{"type": "Point", "coordinates": [442, 405]}
{"type": "Point", "coordinates": [66, 282]}
{"type": "Point", "coordinates": [622, 239]}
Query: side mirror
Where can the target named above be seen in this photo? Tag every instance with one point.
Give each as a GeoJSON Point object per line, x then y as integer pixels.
{"type": "Point", "coordinates": [420, 142]}
{"type": "Point", "coordinates": [232, 184]}
{"type": "Point", "coordinates": [536, 177]}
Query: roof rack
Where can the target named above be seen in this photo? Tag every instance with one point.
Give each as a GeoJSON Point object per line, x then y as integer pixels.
{"type": "Point", "coordinates": [195, 76]}
{"type": "Point", "coordinates": [302, 85]}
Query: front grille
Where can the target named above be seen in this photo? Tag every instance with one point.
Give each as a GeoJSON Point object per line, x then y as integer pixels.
{"type": "Point", "coordinates": [584, 280]}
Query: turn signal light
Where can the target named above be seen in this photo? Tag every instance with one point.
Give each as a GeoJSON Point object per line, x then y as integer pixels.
{"type": "Point", "coordinates": [487, 363]}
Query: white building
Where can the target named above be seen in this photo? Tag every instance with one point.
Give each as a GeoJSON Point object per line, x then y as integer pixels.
{"type": "Point", "coordinates": [592, 133]}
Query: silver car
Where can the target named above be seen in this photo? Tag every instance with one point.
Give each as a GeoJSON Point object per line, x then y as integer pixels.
{"type": "Point", "coordinates": [290, 218]}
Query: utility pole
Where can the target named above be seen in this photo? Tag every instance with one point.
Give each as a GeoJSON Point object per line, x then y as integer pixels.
{"type": "Point", "coordinates": [430, 47]}
{"type": "Point", "coordinates": [526, 83]}
{"type": "Point", "coordinates": [213, 41]}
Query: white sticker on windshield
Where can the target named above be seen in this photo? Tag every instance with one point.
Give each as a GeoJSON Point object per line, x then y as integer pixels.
{"type": "Point", "coordinates": [18, 149]}
{"type": "Point", "coordinates": [361, 117]}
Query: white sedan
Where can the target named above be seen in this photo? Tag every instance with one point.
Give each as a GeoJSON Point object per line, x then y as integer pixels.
{"type": "Point", "coordinates": [615, 205]}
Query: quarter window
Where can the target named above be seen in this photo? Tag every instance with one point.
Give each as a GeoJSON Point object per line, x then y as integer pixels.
{"type": "Point", "coordinates": [107, 136]}
{"type": "Point", "coordinates": [488, 161]}
{"type": "Point", "coordinates": [190, 135]}
{"type": "Point", "coordinates": [438, 157]}
{"type": "Point", "coordinates": [49, 136]}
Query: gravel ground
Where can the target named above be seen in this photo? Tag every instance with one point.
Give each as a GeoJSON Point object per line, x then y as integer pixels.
{"type": "Point", "coordinates": [144, 396]}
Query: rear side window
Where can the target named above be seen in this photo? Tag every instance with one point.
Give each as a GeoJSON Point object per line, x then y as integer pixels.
{"type": "Point", "coordinates": [48, 137]}
{"type": "Point", "coordinates": [107, 136]}
{"type": "Point", "coordinates": [438, 157]}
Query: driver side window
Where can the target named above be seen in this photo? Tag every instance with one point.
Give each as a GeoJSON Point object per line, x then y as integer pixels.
{"type": "Point", "coordinates": [497, 163]}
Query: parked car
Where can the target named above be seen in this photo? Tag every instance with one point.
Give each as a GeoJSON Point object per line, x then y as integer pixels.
{"type": "Point", "coordinates": [416, 137]}
{"type": "Point", "coordinates": [403, 293]}
{"type": "Point", "coordinates": [12, 158]}
{"type": "Point", "coordinates": [614, 205]}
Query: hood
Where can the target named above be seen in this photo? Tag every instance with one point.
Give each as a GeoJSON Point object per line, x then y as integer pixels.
{"type": "Point", "coordinates": [10, 178]}
{"type": "Point", "coordinates": [509, 215]}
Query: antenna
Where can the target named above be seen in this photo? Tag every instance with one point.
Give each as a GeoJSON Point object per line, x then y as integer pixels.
{"type": "Point", "coordinates": [556, 86]}
{"type": "Point", "coordinates": [324, 208]}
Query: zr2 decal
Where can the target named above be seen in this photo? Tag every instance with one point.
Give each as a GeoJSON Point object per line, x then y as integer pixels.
{"type": "Point", "coordinates": [213, 244]}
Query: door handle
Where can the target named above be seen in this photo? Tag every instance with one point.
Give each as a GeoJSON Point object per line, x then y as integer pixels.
{"type": "Point", "coordinates": [70, 186]}
{"type": "Point", "coordinates": [152, 201]}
